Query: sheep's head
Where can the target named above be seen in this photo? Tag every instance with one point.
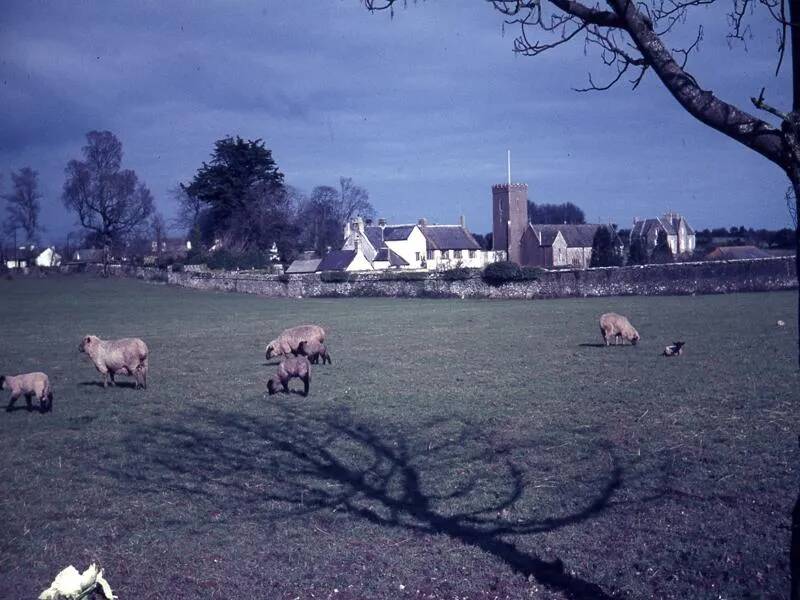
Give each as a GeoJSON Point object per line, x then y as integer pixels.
{"type": "Point", "coordinates": [272, 384]}
{"type": "Point", "coordinates": [302, 348]}
{"type": "Point", "coordinates": [271, 349]}
{"type": "Point", "coordinates": [634, 337]}
{"type": "Point", "coordinates": [2, 381]}
{"type": "Point", "coordinates": [87, 343]}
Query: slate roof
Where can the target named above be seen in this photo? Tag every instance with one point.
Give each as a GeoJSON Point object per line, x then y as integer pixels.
{"type": "Point", "coordinates": [449, 237]}
{"type": "Point", "coordinates": [576, 236]}
{"type": "Point", "coordinates": [737, 253]}
{"type": "Point", "coordinates": [302, 265]}
{"type": "Point", "coordinates": [336, 260]}
{"type": "Point", "coordinates": [393, 258]}
{"type": "Point", "coordinates": [669, 223]}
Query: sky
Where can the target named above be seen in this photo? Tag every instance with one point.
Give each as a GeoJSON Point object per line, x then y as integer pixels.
{"type": "Point", "coordinates": [419, 109]}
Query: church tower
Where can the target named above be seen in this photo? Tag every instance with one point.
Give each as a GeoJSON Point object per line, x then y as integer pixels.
{"type": "Point", "coordinates": [509, 218]}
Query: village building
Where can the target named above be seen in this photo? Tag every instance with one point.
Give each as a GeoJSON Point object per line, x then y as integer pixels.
{"type": "Point", "coordinates": [48, 258]}
{"type": "Point", "coordinates": [680, 236]}
{"type": "Point", "coordinates": [537, 245]}
{"type": "Point", "coordinates": [345, 260]}
{"type": "Point", "coordinates": [307, 262]}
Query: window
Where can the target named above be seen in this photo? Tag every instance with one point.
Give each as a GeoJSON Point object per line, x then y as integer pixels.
{"type": "Point", "coordinates": [430, 254]}
{"type": "Point", "coordinates": [457, 253]}
{"type": "Point", "coordinates": [472, 253]}
{"type": "Point", "coordinates": [418, 256]}
{"type": "Point", "coordinates": [444, 254]}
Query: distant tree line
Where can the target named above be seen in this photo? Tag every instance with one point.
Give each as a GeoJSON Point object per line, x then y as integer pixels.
{"type": "Point", "coordinates": [555, 214]}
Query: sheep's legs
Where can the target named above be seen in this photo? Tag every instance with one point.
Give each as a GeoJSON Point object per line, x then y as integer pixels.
{"type": "Point", "coordinates": [29, 402]}
{"type": "Point", "coordinates": [306, 383]}
{"type": "Point", "coordinates": [11, 402]}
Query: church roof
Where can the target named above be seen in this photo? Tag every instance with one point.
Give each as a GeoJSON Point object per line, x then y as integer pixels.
{"type": "Point", "coordinates": [449, 237]}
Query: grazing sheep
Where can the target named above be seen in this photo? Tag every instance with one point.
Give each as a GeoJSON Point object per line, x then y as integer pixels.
{"type": "Point", "coordinates": [127, 356]}
{"type": "Point", "coordinates": [675, 350]}
{"type": "Point", "coordinates": [28, 385]}
{"type": "Point", "coordinates": [315, 351]}
{"type": "Point", "coordinates": [617, 326]}
{"type": "Point", "coordinates": [287, 342]}
{"type": "Point", "coordinates": [296, 366]}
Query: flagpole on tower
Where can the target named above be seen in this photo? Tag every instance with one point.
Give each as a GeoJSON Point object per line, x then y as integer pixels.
{"type": "Point", "coordinates": [509, 167]}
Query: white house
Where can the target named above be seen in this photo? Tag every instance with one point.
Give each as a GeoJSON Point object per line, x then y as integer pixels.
{"type": "Point", "coordinates": [418, 246]}
{"type": "Point", "coordinates": [48, 258]}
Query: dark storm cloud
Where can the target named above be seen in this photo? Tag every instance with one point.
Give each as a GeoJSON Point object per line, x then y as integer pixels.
{"type": "Point", "coordinates": [419, 109]}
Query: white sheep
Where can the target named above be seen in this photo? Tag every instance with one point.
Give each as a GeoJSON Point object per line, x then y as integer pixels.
{"type": "Point", "coordinates": [29, 385]}
{"type": "Point", "coordinates": [127, 356]}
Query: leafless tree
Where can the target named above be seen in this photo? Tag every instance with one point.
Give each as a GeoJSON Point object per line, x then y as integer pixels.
{"type": "Point", "coordinates": [22, 204]}
{"type": "Point", "coordinates": [353, 201]}
{"type": "Point", "coordinates": [110, 202]}
{"type": "Point", "coordinates": [189, 208]}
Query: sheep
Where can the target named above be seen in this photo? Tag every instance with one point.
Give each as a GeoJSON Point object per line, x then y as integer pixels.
{"type": "Point", "coordinates": [287, 342]}
{"type": "Point", "coordinates": [617, 326]}
{"type": "Point", "coordinates": [296, 366]}
{"type": "Point", "coordinates": [315, 351]}
{"type": "Point", "coordinates": [675, 350]}
{"type": "Point", "coordinates": [29, 385]}
{"type": "Point", "coordinates": [127, 356]}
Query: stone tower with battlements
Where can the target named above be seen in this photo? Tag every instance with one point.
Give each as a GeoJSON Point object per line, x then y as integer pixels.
{"type": "Point", "coordinates": [509, 218]}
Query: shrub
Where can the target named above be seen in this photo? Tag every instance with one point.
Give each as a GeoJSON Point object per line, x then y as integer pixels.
{"type": "Point", "coordinates": [457, 274]}
{"type": "Point", "coordinates": [227, 260]}
{"type": "Point", "coordinates": [501, 272]}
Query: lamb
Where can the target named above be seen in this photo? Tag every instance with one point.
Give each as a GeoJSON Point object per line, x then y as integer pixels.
{"type": "Point", "coordinates": [287, 342]}
{"type": "Point", "coordinates": [29, 385]}
{"type": "Point", "coordinates": [617, 326]}
{"type": "Point", "coordinates": [675, 350]}
{"type": "Point", "coordinates": [315, 351]}
{"type": "Point", "coordinates": [127, 356]}
{"type": "Point", "coordinates": [296, 366]}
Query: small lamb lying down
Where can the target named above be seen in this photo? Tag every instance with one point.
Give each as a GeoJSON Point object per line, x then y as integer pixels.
{"type": "Point", "coordinates": [315, 351]}
{"type": "Point", "coordinates": [28, 385]}
{"type": "Point", "coordinates": [675, 350]}
{"type": "Point", "coordinates": [297, 366]}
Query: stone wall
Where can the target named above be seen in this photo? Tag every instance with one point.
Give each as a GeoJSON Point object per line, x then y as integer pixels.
{"type": "Point", "coordinates": [719, 277]}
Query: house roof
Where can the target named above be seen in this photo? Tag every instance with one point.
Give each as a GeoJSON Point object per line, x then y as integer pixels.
{"type": "Point", "coordinates": [304, 265]}
{"type": "Point", "coordinates": [449, 237]}
{"type": "Point", "coordinates": [393, 258]}
{"type": "Point", "coordinates": [576, 236]}
{"type": "Point", "coordinates": [336, 260]}
{"type": "Point", "coordinates": [737, 253]}
{"type": "Point", "coordinates": [669, 222]}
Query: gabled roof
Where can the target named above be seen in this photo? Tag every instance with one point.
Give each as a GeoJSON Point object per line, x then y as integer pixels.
{"type": "Point", "coordinates": [304, 265]}
{"type": "Point", "coordinates": [669, 222]}
{"type": "Point", "coordinates": [449, 237]}
{"type": "Point", "coordinates": [737, 253]}
{"type": "Point", "coordinates": [396, 233]}
{"type": "Point", "coordinates": [393, 258]}
{"type": "Point", "coordinates": [576, 236]}
{"type": "Point", "coordinates": [336, 260]}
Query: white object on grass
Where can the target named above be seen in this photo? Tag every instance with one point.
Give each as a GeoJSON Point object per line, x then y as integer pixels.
{"type": "Point", "coordinates": [69, 584]}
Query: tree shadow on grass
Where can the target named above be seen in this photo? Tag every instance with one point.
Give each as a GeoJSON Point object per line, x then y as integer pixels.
{"type": "Point", "coordinates": [445, 478]}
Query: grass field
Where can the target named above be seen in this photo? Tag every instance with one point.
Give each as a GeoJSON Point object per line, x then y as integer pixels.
{"type": "Point", "coordinates": [454, 449]}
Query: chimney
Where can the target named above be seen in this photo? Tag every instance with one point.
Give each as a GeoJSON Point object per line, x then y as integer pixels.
{"type": "Point", "coordinates": [422, 222]}
{"type": "Point", "coordinates": [462, 222]}
{"type": "Point", "coordinates": [368, 222]}
{"type": "Point", "coordinates": [381, 222]}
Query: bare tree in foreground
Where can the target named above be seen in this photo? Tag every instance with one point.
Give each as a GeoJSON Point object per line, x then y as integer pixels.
{"type": "Point", "coordinates": [110, 201]}
{"type": "Point", "coordinates": [22, 204]}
